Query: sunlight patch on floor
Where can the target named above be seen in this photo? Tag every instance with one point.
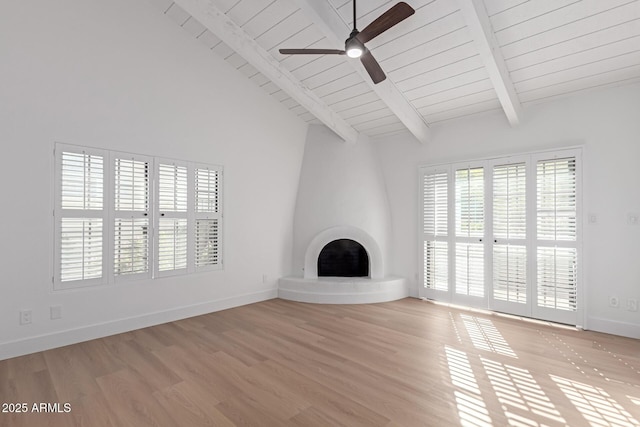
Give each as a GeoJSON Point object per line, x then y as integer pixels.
{"type": "Point", "coordinates": [595, 404]}
{"type": "Point", "coordinates": [471, 408]}
{"type": "Point", "coordinates": [485, 336]}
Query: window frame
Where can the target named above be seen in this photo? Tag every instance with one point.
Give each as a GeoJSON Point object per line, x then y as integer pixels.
{"type": "Point", "coordinates": [108, 216]}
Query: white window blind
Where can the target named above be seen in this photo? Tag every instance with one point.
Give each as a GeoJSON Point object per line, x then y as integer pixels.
{"type": "Point", "coordinates": [470, 202]}
{"type": "Point", "coordinates": [556, 204]}
{"type": "Point", "coordinates": [509, 201]}
{"type": "Point", "coordinates": [556, 199]}
{"type": "Point", "coordinates": [470, 269]}
{"type": "Point", "coordinates": [131, 216]}
{"type": "Point", "coordinates": [557, 278]}
{"type": "Point", "coordinates": [207, 217]}
{"type": "Point", "coordinates": [435, 229]}
{"type": "Point", "coordinates": [469, 223]}
{"type": "Point", "coordinates": [172, 245]}
{"type": "Point", "coordinates": [80, 217]}
{"type": "Point", "coordinates": [509, 231]}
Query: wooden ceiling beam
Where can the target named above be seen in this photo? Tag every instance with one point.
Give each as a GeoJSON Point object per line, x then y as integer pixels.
{"type": "Point", "coordinates": [237, 39]}
{"type": "Point", "coordinates": [328, 20]}
{"type": "Point", "coordinates": [479, 25]}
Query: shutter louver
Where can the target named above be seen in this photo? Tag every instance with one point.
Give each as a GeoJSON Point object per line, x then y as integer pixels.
{"type": "Point", "coordinates": [436, 265]}
{"type": "Point", "coordinates": [510, 273]}
{"type": "Point", "coordinates": [509, 201]}
{"type": "Point", "coordinates": [172, 244]}
{"type": "Point", "coordinates": [435, 204]}
{"type": "Point", "coordinates": [131, 222]}
{"type": "Point", "coordinates": [435, 208]}
{"type": "Point", "coordinates": [82, 181]}
{"type": "Point", "coordinates": [207, 246]}
{"type": "Point", "coordinates": [509, 231]}
{"type": "Point", "coordinates": [81, 249]}
{"type": "Point", "coordinates": [470, 202]}
{"type": "Point", "coordinates": [81, 211]}
{"type": "Point", "coordinates": [470, 269]}
{"type": "Point", "coordinates": [556, 199]}
{"type": "Point", "coordinates": [557, 278]}
{"type": "Point", "coordinates": [172, 224]}
{"type": "Point", "coordinates": [208, 217]}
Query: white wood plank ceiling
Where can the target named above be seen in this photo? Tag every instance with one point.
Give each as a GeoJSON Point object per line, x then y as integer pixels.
{"type": "Point", "coordinates": [451, 59]}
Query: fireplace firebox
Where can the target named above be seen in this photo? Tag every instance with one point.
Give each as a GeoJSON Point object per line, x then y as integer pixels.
{"type": "Point", "coordinates": [343, 258]}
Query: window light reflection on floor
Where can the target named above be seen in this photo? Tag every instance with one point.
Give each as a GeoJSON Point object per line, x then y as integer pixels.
{"type": "Point", "coordinates": [595, 404]}
{"type": "Point", "coordinates": [485, 336]}
{"type": "Point", "coordinates": [471, 408]}
{"type": "Point", "coordinates": [520, 395]}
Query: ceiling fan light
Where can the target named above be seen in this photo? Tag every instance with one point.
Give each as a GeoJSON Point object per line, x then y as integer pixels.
{"type": "Point", "coordinates": [354, 52]}
{"type": "Point", "coordinates": [354, 47]}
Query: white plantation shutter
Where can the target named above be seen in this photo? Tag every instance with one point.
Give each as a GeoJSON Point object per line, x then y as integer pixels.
{"type": "Point", "coordinates": [509, 201]}
{"type": "Point", "coordinates": [470, 269]}
{"type": "Point", "coordinates": [556, 226]}
{"type": "Point", "coordinates": [557, 278]}
{"type": "Point", "coordinates": [510, 232]}
{"type": "Point", "coordinates": [80, 217]}
{"type": "Point", "coordinates": [172, 200]}
{"type": "Point", "coordinates": [469, 231]}
{"type": "Point", "coordinates": [556, 199]}
{"type": "Point", "coordinates": [470, 202]}
{"type": "Point", "coordinates": [131, 202]}
{"type": "Point", "coordinates": [510, 273]}
{"type": "Point", "coordinates": [208, 217]}
{"type": "Point", "coordinates": [435, 208]}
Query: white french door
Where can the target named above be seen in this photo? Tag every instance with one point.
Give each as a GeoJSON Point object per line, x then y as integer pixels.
{"type": "Point", "coordinates": [504, 234]}
{"type": "Point", "coordinates": [469, 235]}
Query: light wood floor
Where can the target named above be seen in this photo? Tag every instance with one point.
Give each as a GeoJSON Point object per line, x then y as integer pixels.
{"type": "Point", "coordinates": [280, 363]}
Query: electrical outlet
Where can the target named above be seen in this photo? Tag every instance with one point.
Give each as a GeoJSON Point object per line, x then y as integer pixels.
{"type": "Point", "coordinates": [25, 317]}
{"type": "Point", "coordinates": [55, 312]}
{"type": "Point", "coordinates": [632, 218]}
{"type": "Point", "coordinates": [632, 304]}
{"type": "Point", "coordinates": [614, 301]}
{"type": "Point", "coordinates": [265, 278]}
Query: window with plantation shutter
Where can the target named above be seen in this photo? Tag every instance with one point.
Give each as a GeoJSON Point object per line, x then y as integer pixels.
{"type": "Point", "coordinates": [504, 234]}
{"type": "Point", "coordinates": [435, 207]}
{"type": "Point", "coordinates": [208, 217]}
{"type": "Point", "coordinates": [469, 231]}
{"type": "Point", "coordinates": [121, 216]}
{"type": "Point", "coordinates": [172, 231]}
{"type": "Point", "coordinates": [510, 232]}
{"type": "Point", "coordinates": [80, 217]}
{"type": "Point", "coordinates": [131, 227]}
{"type": "Point", "coordinates": [557, 257]}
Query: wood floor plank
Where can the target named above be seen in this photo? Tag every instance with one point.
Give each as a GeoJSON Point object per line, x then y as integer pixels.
{"type": "Point", "coordinates": [281, 363]}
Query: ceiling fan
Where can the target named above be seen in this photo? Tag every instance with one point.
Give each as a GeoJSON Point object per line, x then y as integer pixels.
{"type": "Point", "coordinates": [354, 45]}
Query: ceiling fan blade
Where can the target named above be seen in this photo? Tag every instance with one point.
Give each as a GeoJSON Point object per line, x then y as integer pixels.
{"type": "Point", "coordinates": [372, 67]}
{"type": "Point", "coordinates": [391, 17]}
{"type": "Point", "coordinates": [312, 52]}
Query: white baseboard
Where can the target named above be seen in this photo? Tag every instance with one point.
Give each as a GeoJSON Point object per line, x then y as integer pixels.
{"type": "Point", "coordinates": [71, 336]}
{"type": "Point", "coordinates": [630, 330]}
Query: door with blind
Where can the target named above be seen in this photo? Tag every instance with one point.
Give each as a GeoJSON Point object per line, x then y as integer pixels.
{"type": "Point", "coordinates": [469, 235]}
{"type": "Point", "coordinates": [510, 283]}
{"type": "Point", "coordinates": [504, 234]}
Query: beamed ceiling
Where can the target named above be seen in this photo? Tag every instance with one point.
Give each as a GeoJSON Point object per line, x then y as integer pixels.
{"type": "Point", "coordinates": [452, 58]}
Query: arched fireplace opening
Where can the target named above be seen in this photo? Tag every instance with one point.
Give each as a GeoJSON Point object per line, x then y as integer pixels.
{"type": "Point", "coordinates": [343, 258]}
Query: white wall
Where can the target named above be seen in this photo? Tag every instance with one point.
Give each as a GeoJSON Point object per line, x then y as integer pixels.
{"type": "Point", "coordinates": [607, 124]}
{"type": "Point", "coordinates": [119, 75]}
{"type": "Point", "coordinates": [340, 185]}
